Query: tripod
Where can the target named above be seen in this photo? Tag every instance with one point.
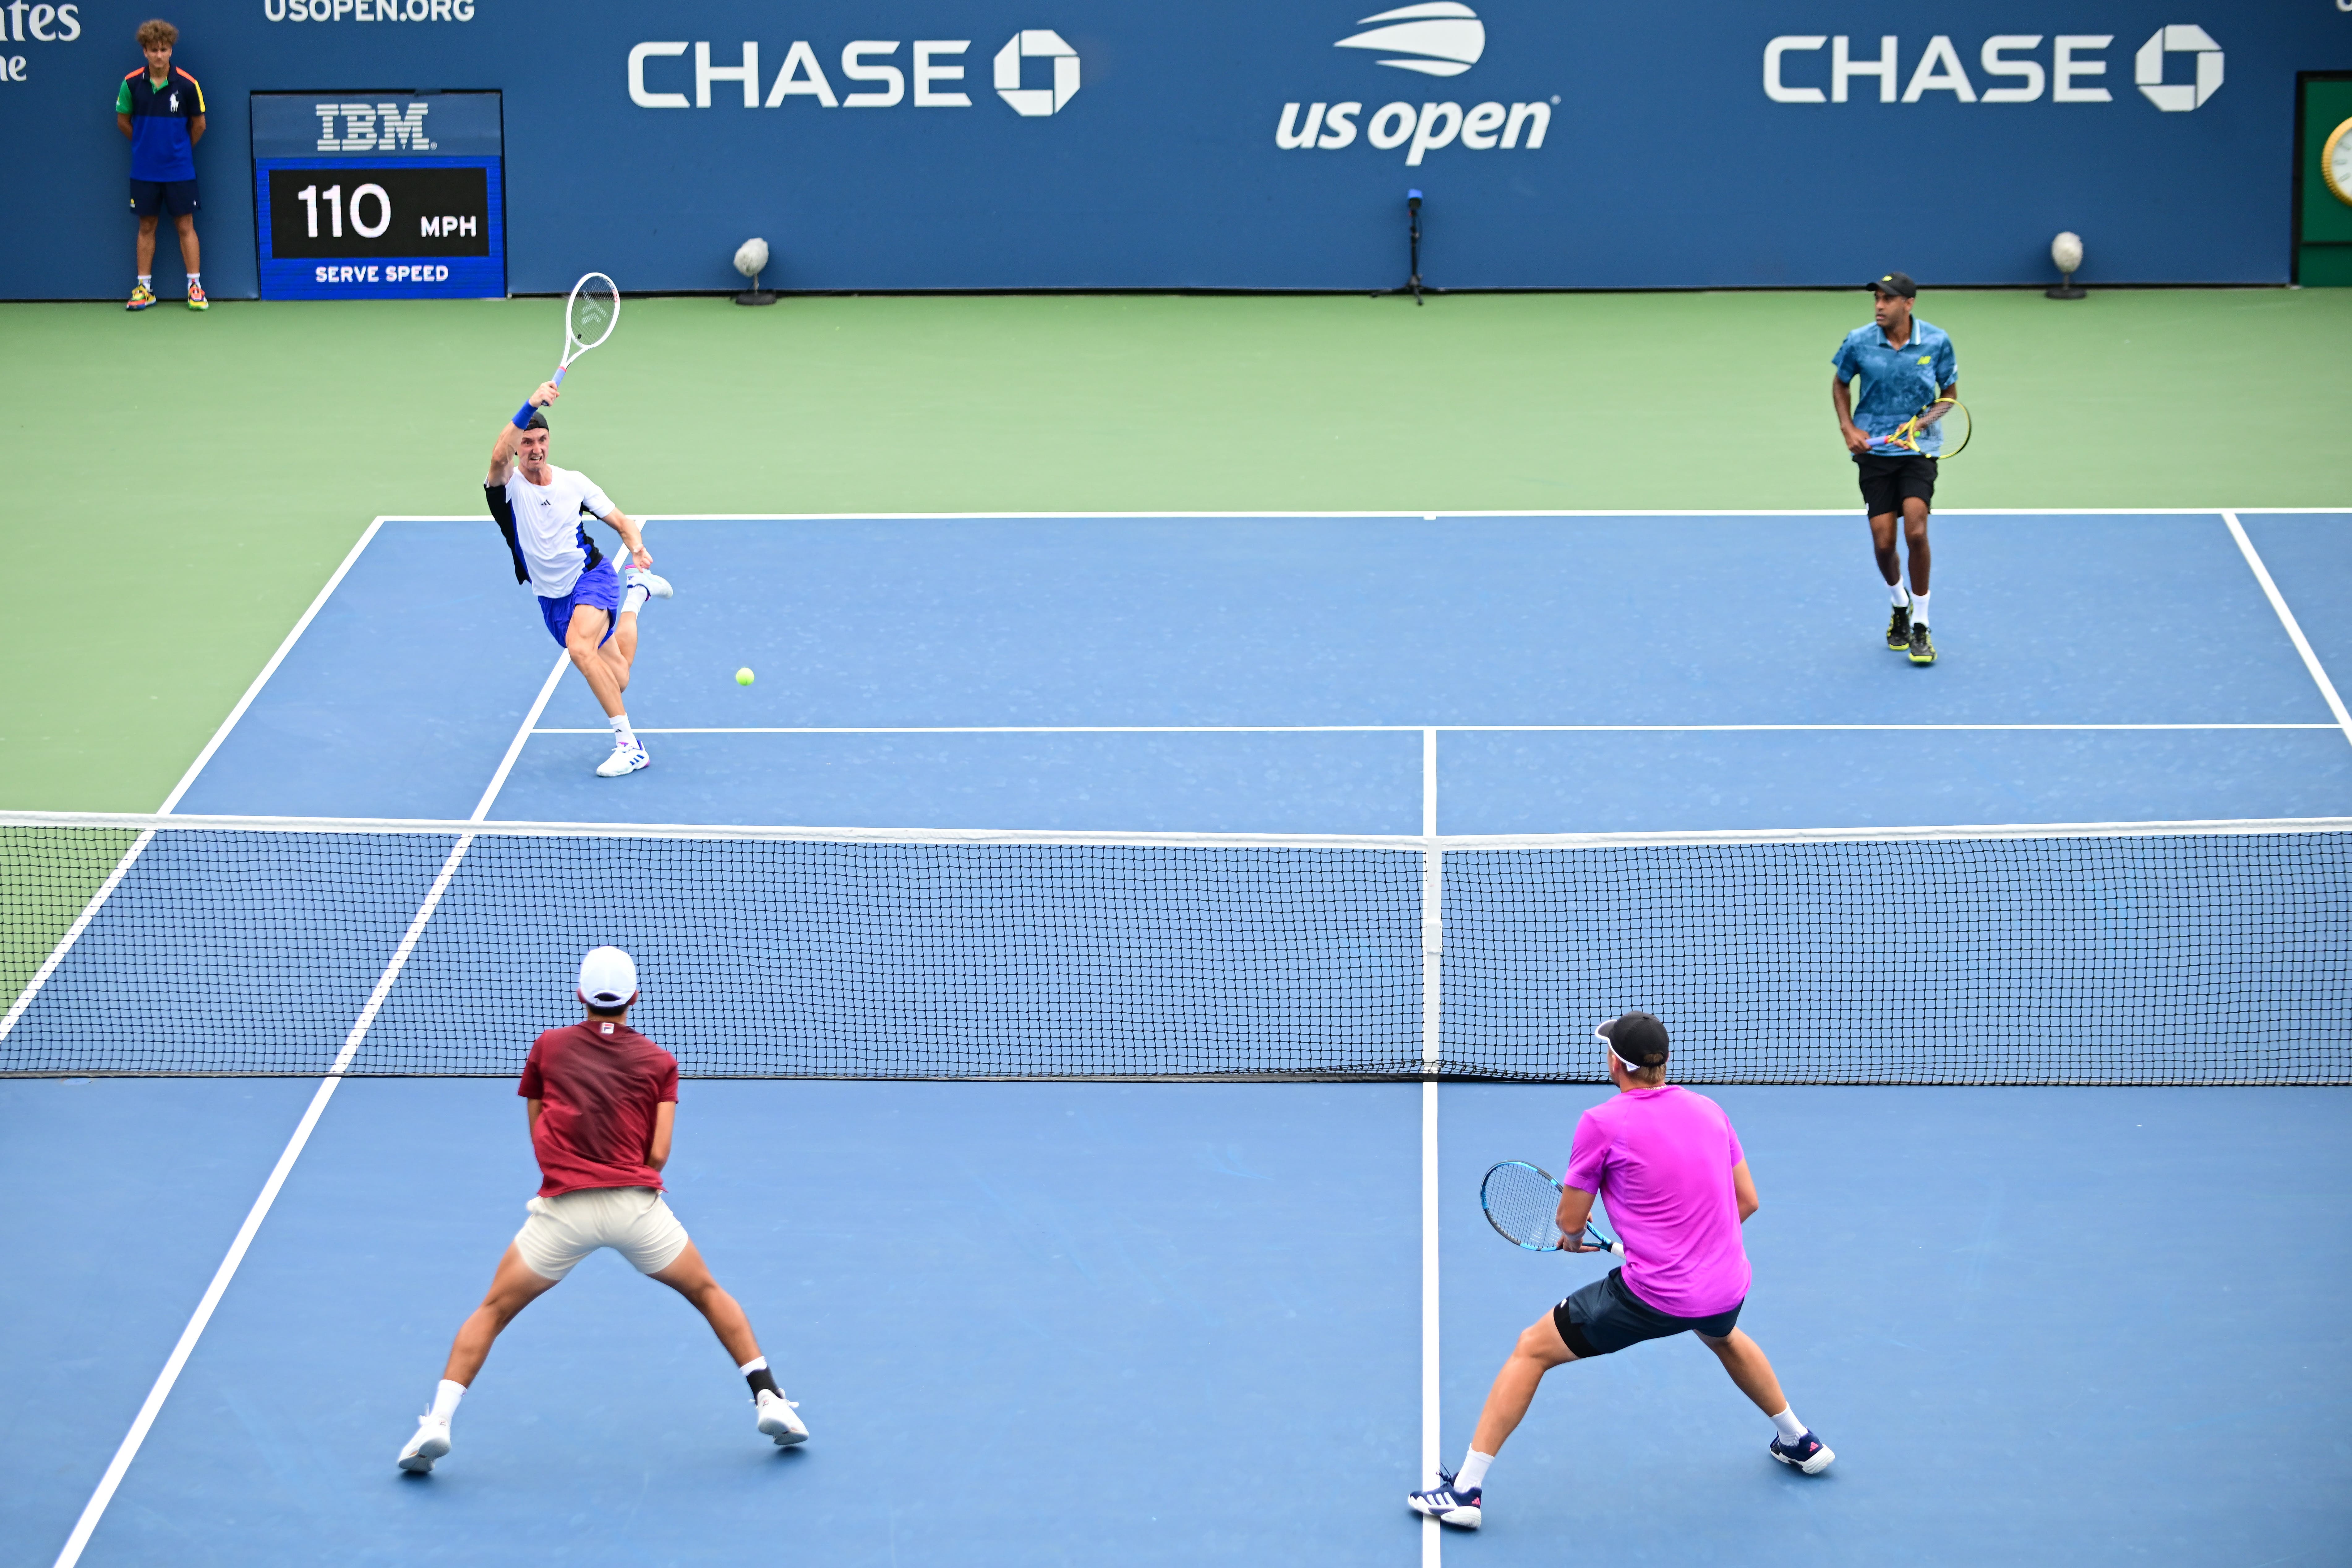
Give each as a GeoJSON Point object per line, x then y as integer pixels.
{"type": "Point", "coordinates": [1412, 285]}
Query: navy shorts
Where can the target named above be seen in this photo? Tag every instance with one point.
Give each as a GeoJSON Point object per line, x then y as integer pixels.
{"type": "Point", "coordinates": [599, 588]}
{"type": "Point", "coordinates": [178, 197]}
{"type": "Point", "coordinates": [1890, 478]}
{"type": "Point", "coordinates": [1606, 1316]}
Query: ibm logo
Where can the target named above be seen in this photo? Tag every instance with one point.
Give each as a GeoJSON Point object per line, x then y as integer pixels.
{"type": "Point", "coordinates": [372, 128]}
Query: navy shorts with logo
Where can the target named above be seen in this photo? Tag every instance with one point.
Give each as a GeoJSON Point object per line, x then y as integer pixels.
{"type": "Point", "coordinates": [599, 588]}
{"type": "Point", "coordinates": [1890, 479]}
{"type": "Point", "coordinates": [1606, 1316]}
{"type": "Point", "coordinates": [178, 197]}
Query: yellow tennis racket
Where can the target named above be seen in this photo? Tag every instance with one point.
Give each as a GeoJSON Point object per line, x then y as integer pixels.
{"type": "Point", "coordinates": [1939, 430]}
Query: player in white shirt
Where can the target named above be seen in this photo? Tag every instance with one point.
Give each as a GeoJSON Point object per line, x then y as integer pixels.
{"type": "Point", "coordinates": [589, 609]}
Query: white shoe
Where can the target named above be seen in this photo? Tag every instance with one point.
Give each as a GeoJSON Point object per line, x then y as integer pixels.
{"type": "Point", "coordinates": [656, 587]}
{"type": "Point", "coordinates": [623, 760]}
{"type": "Point", "coordinates": [777, 1420]}
{"type": "Point", "coordinates": [431, 1442]}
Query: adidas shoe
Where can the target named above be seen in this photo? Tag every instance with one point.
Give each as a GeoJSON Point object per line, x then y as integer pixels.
{"type": "Point", "coordinates": [1445, 1505]}
{"type": "Point", "coordinates": [1808, 1453]}
{"type": "Point", "coordinates": [623, 760]}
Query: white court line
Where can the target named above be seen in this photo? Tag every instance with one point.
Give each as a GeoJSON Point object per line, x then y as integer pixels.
{"type": "Point", "coordinates": [2286, 619]}
{"type": "Point", "coordinates": [95, 1509]}
{"type": "Point", "coordinates": [1373, 728]}
{"type": "Point", "coordinates": [1431, 960]}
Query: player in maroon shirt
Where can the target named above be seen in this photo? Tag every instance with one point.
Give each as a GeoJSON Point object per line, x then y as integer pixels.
{"type": "Point", "coordinates": [602, 1099]}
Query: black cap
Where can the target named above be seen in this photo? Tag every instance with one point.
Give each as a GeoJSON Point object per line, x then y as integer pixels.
{"type": "Point", "coordinates": [1637, 1038]}
{"type": "Point", "coordinates": [1895, 283]}
{"type": "Point", "coordinates": [537, 419]}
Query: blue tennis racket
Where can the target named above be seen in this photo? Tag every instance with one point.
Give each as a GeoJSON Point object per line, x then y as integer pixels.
{"type": "Point", "coordinates": [1522, 1204]}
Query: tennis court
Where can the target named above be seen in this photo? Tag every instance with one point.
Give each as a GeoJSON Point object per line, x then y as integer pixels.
{"type": "Point", "coordinates": [1214, 1320]}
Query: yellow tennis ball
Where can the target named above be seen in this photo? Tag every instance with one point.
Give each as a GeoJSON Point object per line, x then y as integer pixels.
{"type": "Point", "coordinates": [743, 677]}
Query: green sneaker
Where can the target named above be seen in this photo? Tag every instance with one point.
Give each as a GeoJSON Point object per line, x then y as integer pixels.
{"type": "Point", "coordinates": [1923, 650]}
{"type": "Point", "coordinates": [1898, 628]}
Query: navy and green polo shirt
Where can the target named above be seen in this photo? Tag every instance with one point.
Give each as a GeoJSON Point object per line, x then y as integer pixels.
{"type": "Point", "coordinates": [1897, 381]}
{"type": "Point", "coordinates": [159, 145]}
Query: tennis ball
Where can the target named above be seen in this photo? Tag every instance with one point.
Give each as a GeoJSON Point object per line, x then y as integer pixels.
{"type": "Point", "coordinates": [743, 677]}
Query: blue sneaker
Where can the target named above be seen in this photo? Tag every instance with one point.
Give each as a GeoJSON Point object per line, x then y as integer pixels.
{"type": "Point", "coordinates": [1808, 1453]}
{"type": "Point", "coordinates": [1445, 1505]}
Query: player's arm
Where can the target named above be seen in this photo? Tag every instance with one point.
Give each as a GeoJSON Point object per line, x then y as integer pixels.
{"type": "Point", "coordinates": [530, 1110]}
{"type": "Point", "coordinates": [510, 434]}
{"type": "Point", "coordinates": [123, 106]}
{"type": "Point", "coordinates": [665, 1121]}
{"type": "Point", "coordinates": [195, 130]}
{"type": "Point", "coordinates": [1575, 1212]}
{"type": "Point", "coordinates": [630, 529]}
{"type": "Point", "coordinates": [1843, 401]}
{"type": "Point", "coordinates": [1743, 1187]}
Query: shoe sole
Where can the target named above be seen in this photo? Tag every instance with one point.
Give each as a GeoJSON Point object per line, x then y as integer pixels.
{"type": "Point", "coordinates": [1923, 662]}
{"type": "Point", "coordinates": [1450, 1518]}
{"type": "Point", "coordinates": [421, 1462]}
{"type": "Point", "coordinates": [785, 1439]}
{"type": "Point", "coordinates": [641, 767]}
{"type": "Point", "coordinates": [1812, 1467]}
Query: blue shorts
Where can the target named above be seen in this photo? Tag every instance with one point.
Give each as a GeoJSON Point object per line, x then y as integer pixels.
{"type": "Point", "coordinates": [599, 588]}
{"type": "Point", "coordinates": [1606, 1316]}
{"type": "Point", "coordinates": [150, 198]}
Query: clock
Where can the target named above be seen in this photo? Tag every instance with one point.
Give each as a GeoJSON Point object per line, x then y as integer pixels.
{"type": "Point", "coordinates": [2336, 161]}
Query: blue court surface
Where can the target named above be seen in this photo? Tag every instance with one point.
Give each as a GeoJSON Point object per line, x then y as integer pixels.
{"type": "Point", "coordinates": [1092, 1322]}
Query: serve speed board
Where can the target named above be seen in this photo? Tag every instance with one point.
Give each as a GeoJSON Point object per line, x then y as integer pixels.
{"type": "Point", "coordinates": [375, 196]}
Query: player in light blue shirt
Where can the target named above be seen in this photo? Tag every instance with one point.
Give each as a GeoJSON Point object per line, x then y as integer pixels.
{"type": "Point", "coordinates": [1903, 365]}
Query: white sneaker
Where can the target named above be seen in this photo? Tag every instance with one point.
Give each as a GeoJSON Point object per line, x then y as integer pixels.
{"type": "Point", "coordinates": [644, 577]}
{"type": "Point", "coordinates": [623, 760]}
{"type": "Point", "coordinates": [431, 1442]}
{"type": "Point", "coordinates": [777, 1420]}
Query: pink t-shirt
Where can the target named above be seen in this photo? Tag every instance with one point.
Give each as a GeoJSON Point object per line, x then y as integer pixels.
{"type": "Point", "coordinates": [1662, 1160]}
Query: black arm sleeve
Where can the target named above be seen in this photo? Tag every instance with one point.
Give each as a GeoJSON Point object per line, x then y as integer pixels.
{"type": "Point", "coordinates": [502, 512]}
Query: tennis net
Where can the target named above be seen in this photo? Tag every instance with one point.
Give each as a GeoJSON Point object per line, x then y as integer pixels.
{"type": "Point", "coordinates": [2124, 953]}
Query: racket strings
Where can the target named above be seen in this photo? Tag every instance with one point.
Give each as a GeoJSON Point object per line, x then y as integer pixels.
{"type": "Point", "coordinates": [1523, 1205]}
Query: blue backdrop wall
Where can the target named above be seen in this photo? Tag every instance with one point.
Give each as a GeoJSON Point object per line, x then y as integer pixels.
{"type": "Point", "coordinates": [1049, 143]}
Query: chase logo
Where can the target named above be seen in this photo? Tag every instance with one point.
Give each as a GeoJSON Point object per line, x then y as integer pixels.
{"type": "Point", "coordinates": [2179, 38]}
{"type": "Point", "coordinates": [1446, 36]}
{"type": "Point", "coordinates": [1036, 43]}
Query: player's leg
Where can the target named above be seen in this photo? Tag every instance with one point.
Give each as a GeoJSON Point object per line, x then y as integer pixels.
{"type": "Point", "coordinates": [1882, 503]}
{"type": "Point", "coordinates": [686, 1274]}
{"type": "Point", "coordinates": [1915, 504]}
{"type": "Point", "coordinates": [1459, 1494]}
{"type": "Point", "coordinates": [515, 1286]}
{"type": "Point", "coordinates": [585, 639]}
{"type": "Point", "coordinates": [1746, 1362]}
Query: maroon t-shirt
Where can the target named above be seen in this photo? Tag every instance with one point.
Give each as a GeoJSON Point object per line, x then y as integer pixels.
{"type": "Point", "coordinates": [599, 1082]}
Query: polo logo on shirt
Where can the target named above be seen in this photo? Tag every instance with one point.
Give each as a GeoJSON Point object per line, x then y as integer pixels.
{"type": "Point", "coordinates": [175, 103]}
{"type": "Point", "coordinates": [1924, 358]}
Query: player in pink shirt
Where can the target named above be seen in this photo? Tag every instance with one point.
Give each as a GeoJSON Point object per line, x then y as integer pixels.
{"type": "Point", "coordinates": [1676, 1183]}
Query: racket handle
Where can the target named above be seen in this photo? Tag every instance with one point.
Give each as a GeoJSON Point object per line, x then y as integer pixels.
{"type": "Point", "coordinates": [557, 379]}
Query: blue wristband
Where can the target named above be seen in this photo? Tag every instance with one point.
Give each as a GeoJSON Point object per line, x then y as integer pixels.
{"type": "Point", "coordinates": [522, 416]}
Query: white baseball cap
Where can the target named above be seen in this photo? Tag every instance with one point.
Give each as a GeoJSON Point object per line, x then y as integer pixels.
{"type": "Point", "coordinates": [608, 978]}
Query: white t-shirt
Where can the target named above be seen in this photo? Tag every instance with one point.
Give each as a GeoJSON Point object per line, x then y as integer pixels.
{"type": "Point", "coordinates": [548, 534]}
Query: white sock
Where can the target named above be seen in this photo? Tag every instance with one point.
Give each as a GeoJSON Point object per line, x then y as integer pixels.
{"type": "Point", "coordinates": [445, 1395]}
{"type": "Point", "coordinates": [195, 280]}
{"type": "Point", "coordinates": [1918, 609]}
{"type": "Point", "coordinates": [147, 280]}
{"type": "Point", "coordinates": [1473, 1474]}
{"type": "Point", "coordinates": [1897, 595]}
{"type": "Point", "coordinates": [622, 734]}
{"type": "Point", "coordinates": [634, 599]}
{"type": "Point", "coordinates": [1788, 1425]}
{"type": "Point", "coordinates": [754, 1365]}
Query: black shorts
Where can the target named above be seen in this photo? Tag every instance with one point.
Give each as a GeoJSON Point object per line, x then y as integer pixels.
{"type": "Point", "coordinates": [178, 197]}
{"type": "Point", "coordinates": [1606, 1316]}
{"type": "Point", "coordinates": [1889, 481]}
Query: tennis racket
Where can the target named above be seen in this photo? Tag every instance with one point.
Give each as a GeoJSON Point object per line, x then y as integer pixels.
{"type": "Point", "coordinates": [1522, 1204]}
{"type": "Point", "coordinates": [588, 319]}
{"type": "Point", "coordinates": [1939, 430]}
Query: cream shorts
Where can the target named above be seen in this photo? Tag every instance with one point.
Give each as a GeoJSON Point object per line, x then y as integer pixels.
{"type": "Point", "coordinates": [567, 1227]}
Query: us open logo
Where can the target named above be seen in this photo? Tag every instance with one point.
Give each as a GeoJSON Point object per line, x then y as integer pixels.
{"type": "Point", "coordinates": [1434, 39]}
